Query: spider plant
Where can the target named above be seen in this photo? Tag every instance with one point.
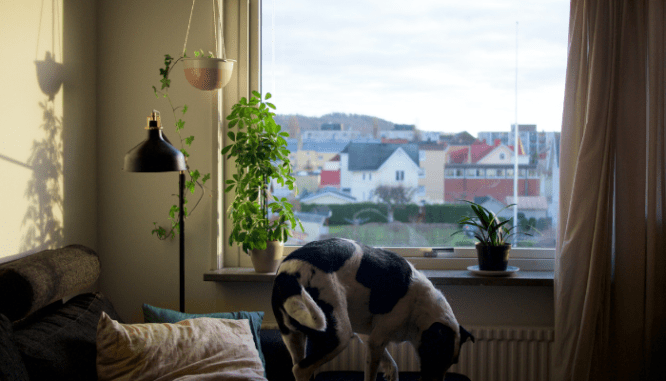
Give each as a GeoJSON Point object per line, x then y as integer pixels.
{"type": "Point", "coordinates": [489, 230]}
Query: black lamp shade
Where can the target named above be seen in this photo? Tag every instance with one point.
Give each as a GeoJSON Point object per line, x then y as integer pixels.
{"type": "Point", "coordinates": [154, 154]}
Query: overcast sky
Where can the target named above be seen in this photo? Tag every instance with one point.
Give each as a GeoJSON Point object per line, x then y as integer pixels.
{"type": "Point", "coordinates": [443, 65]}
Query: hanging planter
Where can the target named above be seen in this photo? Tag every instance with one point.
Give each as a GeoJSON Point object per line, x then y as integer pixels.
{"type": "Point", "coordinates": [206, 73]}
{"type": "Point", "coordinates": [49, 75]}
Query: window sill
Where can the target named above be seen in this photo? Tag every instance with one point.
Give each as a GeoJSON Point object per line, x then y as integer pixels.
{"type": "Point", "coordinates": [437, 277]}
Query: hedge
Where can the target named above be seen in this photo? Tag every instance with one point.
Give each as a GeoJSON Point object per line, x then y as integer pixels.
{"type": "Point", "coordinates": [342, 214]}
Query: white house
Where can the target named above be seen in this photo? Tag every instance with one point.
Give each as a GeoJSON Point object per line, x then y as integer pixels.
{"type": "Point", "coordinates": [365, 166]}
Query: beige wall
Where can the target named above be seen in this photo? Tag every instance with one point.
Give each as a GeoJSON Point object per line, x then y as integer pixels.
{"type": "Point", "coordinates": [138, 268]}
{"type": "Point", "coordinates": [113, 51]}
{"type": "Point", "coordinates": [50, 201]}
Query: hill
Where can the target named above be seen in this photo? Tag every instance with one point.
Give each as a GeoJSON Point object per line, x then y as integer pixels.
{"type": "Point", "coordinates": [293, 123]}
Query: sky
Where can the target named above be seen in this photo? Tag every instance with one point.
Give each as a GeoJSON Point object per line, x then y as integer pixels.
{"type": "Point", "coordinates": [442, 65]}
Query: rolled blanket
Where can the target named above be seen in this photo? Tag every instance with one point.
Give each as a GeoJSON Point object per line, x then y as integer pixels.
{"type": "Point", "coordinates": [40, 279]}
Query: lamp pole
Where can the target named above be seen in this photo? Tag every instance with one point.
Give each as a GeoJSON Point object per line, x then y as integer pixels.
{"type": "Point", "coordinates": [181, 224]}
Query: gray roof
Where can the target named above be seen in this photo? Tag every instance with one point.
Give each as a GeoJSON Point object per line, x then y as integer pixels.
{"type": "Point", "coordinates": [331, 191]}
{"type": "Point", "coordinates": [323, 146]}
{"type": "Point", "coordinates": [370, 156]}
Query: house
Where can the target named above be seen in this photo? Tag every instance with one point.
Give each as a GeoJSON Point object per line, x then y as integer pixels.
{"type": "Point", "coordinates": [330, 174]}
{"type": "Point", "coordinates": [365, 166]}
{"type": "Point", "coordinates": [432, 159]}
{"type": "Point", "coordinates": [311, 154]}
{"type": "Point", "coordinates": [481, 169]}
{"type": "Point", "coordinates": [327, 196]}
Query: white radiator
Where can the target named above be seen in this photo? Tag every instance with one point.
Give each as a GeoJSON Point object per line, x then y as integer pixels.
{"type": "Point", "coordinates": [499, 354]}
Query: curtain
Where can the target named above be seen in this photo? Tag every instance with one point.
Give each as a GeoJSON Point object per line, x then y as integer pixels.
{"type": "Point", "coordinates": [610, 272]}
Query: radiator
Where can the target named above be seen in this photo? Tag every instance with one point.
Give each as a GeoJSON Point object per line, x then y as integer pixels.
{"type": "Point", "coordinates": [499, 354]}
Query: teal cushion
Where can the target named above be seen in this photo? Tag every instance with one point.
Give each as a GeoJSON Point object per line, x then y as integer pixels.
{"type": "Point", "coordinates": [162, 315]}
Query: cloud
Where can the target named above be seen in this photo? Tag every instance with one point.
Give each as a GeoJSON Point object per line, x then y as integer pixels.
{"type": "Point", "coordinates": [448, 65]}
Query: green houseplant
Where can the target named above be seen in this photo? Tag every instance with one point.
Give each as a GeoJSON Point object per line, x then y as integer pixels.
{"type": "Point", "coordinates": [259, 221]}
{"type": "Point", "coordinates": [492, 235]}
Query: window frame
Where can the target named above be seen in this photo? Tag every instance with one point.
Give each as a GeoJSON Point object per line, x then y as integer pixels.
{"type": "Point", "coordinates": [243, 20]}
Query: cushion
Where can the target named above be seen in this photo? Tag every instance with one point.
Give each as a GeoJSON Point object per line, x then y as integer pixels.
{"type": "Point", "coordinates": [58, 341]}
{"type": "Point", "coordinates": [404, 376]}
{"type": "Point", "coordinates": [161, 315]}
{"type": "Point", "coordinates": [40, 279]}
{"type": "Point", "coordinates": [11, 365]}
{"type": "Point", "coordinates": [197, 349]}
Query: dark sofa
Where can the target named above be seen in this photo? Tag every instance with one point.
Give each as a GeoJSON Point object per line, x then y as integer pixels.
{"type": "Point", "coordinates": [46, 336]}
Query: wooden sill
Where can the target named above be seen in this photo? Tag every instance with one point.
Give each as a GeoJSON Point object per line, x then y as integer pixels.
{"type": "Point", "coordinates": [437, 277]}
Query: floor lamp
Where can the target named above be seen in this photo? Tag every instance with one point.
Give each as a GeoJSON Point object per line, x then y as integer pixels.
{"type": "Point", "coordinates": [156, 154]}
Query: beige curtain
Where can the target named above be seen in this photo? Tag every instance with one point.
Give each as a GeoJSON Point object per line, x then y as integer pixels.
{"type": "Point", "coordinates": [610, 275]}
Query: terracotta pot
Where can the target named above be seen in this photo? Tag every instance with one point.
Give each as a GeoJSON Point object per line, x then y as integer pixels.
{"type": "Point", "coordinates": [208, 73]}
{"type": "Point", "coordinates": [268, 260]}
{"type": "Point", "coordinates": [493, 258]}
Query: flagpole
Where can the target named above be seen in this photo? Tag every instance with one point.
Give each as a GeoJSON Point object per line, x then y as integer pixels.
{"type": "Point", "coordinates": [515, 152]}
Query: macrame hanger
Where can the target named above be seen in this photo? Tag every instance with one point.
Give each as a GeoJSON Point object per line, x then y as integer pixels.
{"type": "Point", "coordinates": [187, 34]}
{"type": "Point", "coordinates": [218, 14]}
{"type": "Point", "coordinates": [221, 22]}
{"type": "Point", "coordinates": [215, 21]}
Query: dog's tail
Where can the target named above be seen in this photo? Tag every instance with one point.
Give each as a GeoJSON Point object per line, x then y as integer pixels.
{"type": "Point", "coordinates": [299, 304]}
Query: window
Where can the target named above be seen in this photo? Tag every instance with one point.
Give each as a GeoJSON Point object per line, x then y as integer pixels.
{"type": "Point", "coordinates": [328, 64]}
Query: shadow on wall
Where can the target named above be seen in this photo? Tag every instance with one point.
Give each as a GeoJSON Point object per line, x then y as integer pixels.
{"type": "Point", "coordinates": [42, 223]}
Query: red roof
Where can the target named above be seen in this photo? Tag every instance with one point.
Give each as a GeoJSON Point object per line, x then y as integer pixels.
{"type": "Point", "coordinates": [479, 149]}
{"type": "Point", "coordinates": [395, 141]}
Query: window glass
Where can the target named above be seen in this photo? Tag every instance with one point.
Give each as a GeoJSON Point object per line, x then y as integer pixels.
{"type": "Point", "coordinates": [400, 93]}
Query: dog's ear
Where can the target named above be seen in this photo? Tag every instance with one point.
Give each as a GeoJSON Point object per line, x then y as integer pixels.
{"type": "Point", "coordinates": [464, 335]}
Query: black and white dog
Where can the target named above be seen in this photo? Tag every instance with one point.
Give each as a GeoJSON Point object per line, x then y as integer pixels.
{"type": "Point", "coordinates": [328, 291]}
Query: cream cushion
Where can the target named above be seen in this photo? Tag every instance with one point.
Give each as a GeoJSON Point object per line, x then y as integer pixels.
{"type": "Point", "coordinates": [194, 349]}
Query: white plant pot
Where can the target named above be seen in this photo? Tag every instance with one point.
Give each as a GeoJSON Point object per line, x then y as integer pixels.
{"type": "Point", "coordinates": [208, 73]}
{"type": "Point", "coordinates": [268, 260]}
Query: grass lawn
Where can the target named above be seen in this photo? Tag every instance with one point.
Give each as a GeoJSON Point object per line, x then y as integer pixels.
{"type": "Point", "coordinates": [398, 234]}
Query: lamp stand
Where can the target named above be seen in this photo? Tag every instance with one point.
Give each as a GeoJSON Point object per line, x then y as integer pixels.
{"type": "Point", "coordinates": [181, 224]}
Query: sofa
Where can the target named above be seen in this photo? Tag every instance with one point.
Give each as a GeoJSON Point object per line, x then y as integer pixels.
{"type": "Point", "coordinates": [50, 317]}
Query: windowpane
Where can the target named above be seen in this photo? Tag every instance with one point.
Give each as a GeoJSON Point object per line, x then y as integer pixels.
{"type": "Point", "coordinates": [411, 109]}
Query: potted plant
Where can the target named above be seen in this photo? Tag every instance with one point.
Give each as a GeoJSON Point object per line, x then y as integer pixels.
{"type": "Point", "coordinates": [260, 223]}
{"type": "Point", "coordinates": [205, 72]}
{"type": "Point", "coordinates": [492, 234]}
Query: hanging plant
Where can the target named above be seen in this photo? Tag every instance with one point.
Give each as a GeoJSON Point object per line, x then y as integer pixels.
{"type": "Point", "coordinates": [196, 178]}
{"type": "Point", "coordinates": [206, 72]}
